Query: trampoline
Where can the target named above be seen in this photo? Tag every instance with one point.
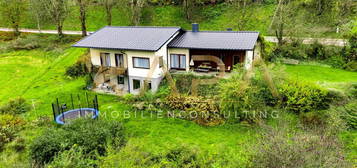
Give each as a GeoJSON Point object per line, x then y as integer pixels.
{"type": "Point", "coordinates": [66, 111]}
{"type": "Point", "coordinates": [67, 116]}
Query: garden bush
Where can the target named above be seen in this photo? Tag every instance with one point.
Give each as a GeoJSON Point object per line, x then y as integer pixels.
{"type": "Point", "coordinates": [350, 114]}
{"type": "Point", "coordinates": [336, 61]}
{"type": "Point", "coordinates": [45, 147]}
{"type": "Point", "coordinates": [90, 135]}
{"type": "Point", "coordinates": [246, 99]}
{"type": "Point", "coordinates": [77, 70]}
{"type": "Point", "coordinates": [294, 50]}
{"type": "Point", "coordinates": [27, 42]}
{"type": "Point", "coordinates": [19, 144]}
{"type": "Point", "coordinates": [282, 147]}
{"type": "Point", "coordinates": [179, 156]}
{"type": "Point", "coordinates": [303, 96]}
{"type": "Point", "coordinates": [351, 66]}
{"type": "Point", "coordinates": [15, 106]}
{"type": "Point", "coordinates": [313, 119]}
{"type": "Point", "coordinates": [337, 97]}
{"type": "Point", "coordinates": [184, 83]}
{"type": "Point", "coordinates": [317, 51]}
{"type": "Point", "coordinates": [9, 126]}
{"type": "Point", "coordinates": [203, 111]}
{"type": "Point", "coordinates": [73, 157]}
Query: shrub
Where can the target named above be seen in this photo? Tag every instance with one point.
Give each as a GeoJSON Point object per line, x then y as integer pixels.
{"type": "Point", "coordinates": [202, 111]}
{"type": "Point", "coordinates": [9, 126]}
{"type": "Point", "coordinates": [280, 147]}
{"type": "Point", "coordinates": [303, 96]}
{"type": "Point", "coordinates": [336, 97]}
{"type": "Point", "coordinates": [184, 82]}
{"type": "Point", "coordinates": [353, 90]}
{"type": "Point", "coordinates": [294, 50]}
{"type": "Point", "coordinates": [336, 61]}
{"type": "Point", "coordinates": [90, 135]}
{"type": "Point", "coordinates": [19, 144]}
{"type": "Point", "coordinates": [179, 156]}
{"type": "Point", "coordinates": [73, 157]}
{"type": "Point", "coordinates": [45, 147]}
{"type": "Point", "coordinates": [313, 119]}
{"type": "Point", "coordinates": [26, 42]}
{"type": "Point", "coordinates": [77, 70]}
{"type": "Point", "coordinates": [350, 114]}
{"type": "Point", "coordinates": [245, 99]}
{"type": "Point", "coordinates": [351, 66]}
{"type": "Point", "coordinates": [317, 51]}
{"type": "Point", "coordinates": [15, 106]}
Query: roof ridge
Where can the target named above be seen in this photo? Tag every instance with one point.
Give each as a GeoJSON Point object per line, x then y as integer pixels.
{"type": "Point", "coordinates": [170, 27]}
{"type": "Point", "coordinates": [224, 31]}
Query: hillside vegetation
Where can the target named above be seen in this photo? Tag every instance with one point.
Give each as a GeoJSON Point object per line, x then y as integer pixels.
{"type": "Point", "coordinates": [304, 18]}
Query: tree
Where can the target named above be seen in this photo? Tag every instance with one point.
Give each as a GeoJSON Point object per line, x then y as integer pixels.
{"type": "Point", "coordinates": [280, 20]}
{"type": "Point", "coordinates": [108, 6]}
{"type": "Point", "coordinates": [12, 12]}
{"type": "Point", "coordinates": [136, 10]}
{"type": "Point", "coordinates": [58, 11]}
{"type": "Point", "coordinates": [83, 15]}
{"type": "Point", "coordinates": [243, 11]}
{"type": "Point", "coordinates": [38, 10]}
{"type": "Point", "coordinates": [188, 8]}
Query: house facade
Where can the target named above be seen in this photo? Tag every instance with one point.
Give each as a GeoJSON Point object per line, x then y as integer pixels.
{"type": "Point", "coordinates": [126, 57]}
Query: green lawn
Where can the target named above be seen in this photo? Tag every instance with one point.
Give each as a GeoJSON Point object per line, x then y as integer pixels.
{"type": "Point", "coordinates": [317, 73]}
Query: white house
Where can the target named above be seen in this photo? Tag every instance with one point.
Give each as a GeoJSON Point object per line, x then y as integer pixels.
{"type": "Point", "coordinates": [127, 56]}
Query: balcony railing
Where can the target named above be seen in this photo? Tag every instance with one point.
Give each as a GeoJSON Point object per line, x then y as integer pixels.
{"type": "Point", "coordinates": [112, 70]}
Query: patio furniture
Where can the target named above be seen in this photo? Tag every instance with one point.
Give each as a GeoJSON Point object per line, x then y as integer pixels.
{"type": "Point", "coordinates": [202, 70]}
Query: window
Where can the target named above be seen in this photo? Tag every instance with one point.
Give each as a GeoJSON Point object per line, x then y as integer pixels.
{"type": "Point", "coordinates": [120, 79]}
{"type": "Point", "coordinates": [141, 62]}
{"type": "Point", "coordinates": [119, 60]}
{"type": "Point", "coordinates": [178, 61]}
{"type": "Point", "coordinates": [105, 59]}
{"type": "Point", "coordinates": [161, 62]}
{"type": "Point", "coordinates": [136, 84]}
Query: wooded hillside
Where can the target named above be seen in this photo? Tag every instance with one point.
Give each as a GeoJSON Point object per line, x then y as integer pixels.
{"type": "Point", "coordinates": [317, 18]}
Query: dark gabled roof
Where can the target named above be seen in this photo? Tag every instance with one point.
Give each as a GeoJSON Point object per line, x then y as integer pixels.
{"type": "Point", "coordinates": [218, 40]}
{"type": "Point", "coordinates": [129, 38]}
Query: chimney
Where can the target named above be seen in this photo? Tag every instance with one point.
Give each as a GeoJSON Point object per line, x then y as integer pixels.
{"type": "Point", "coordinates": [229, 29]}
{"type": "Point", "coordinates": [195, 27]}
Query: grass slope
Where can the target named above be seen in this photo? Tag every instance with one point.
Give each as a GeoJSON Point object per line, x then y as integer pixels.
{"type": "Point", "coordinates": [211, 17]}
{"type": "Point", "coordinates": [317, 73]}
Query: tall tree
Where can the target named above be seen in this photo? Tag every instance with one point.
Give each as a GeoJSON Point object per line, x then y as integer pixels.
{"type": "Point", "coordinates": [243, 12]}
{"type": "Point", "coordinates": [108, 6]}
{"type": "Point", "coordinates": [38, 11]}
{"type": "Point", "coordinates": [136, 11]}
{"type": "Point", "coordinates": [188, 8]}
{"type": "Point", "coordinates": [280, 20]}
{"type": "Point", "coordinates": [83, 15]}
{"type": "Point", "coordinates": [12, 12]}
{"type": "Point", "coordinates": [58, 11]}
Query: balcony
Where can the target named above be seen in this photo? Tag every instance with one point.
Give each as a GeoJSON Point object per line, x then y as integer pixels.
{"type": "Point", "coordinates": [112, 70]}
